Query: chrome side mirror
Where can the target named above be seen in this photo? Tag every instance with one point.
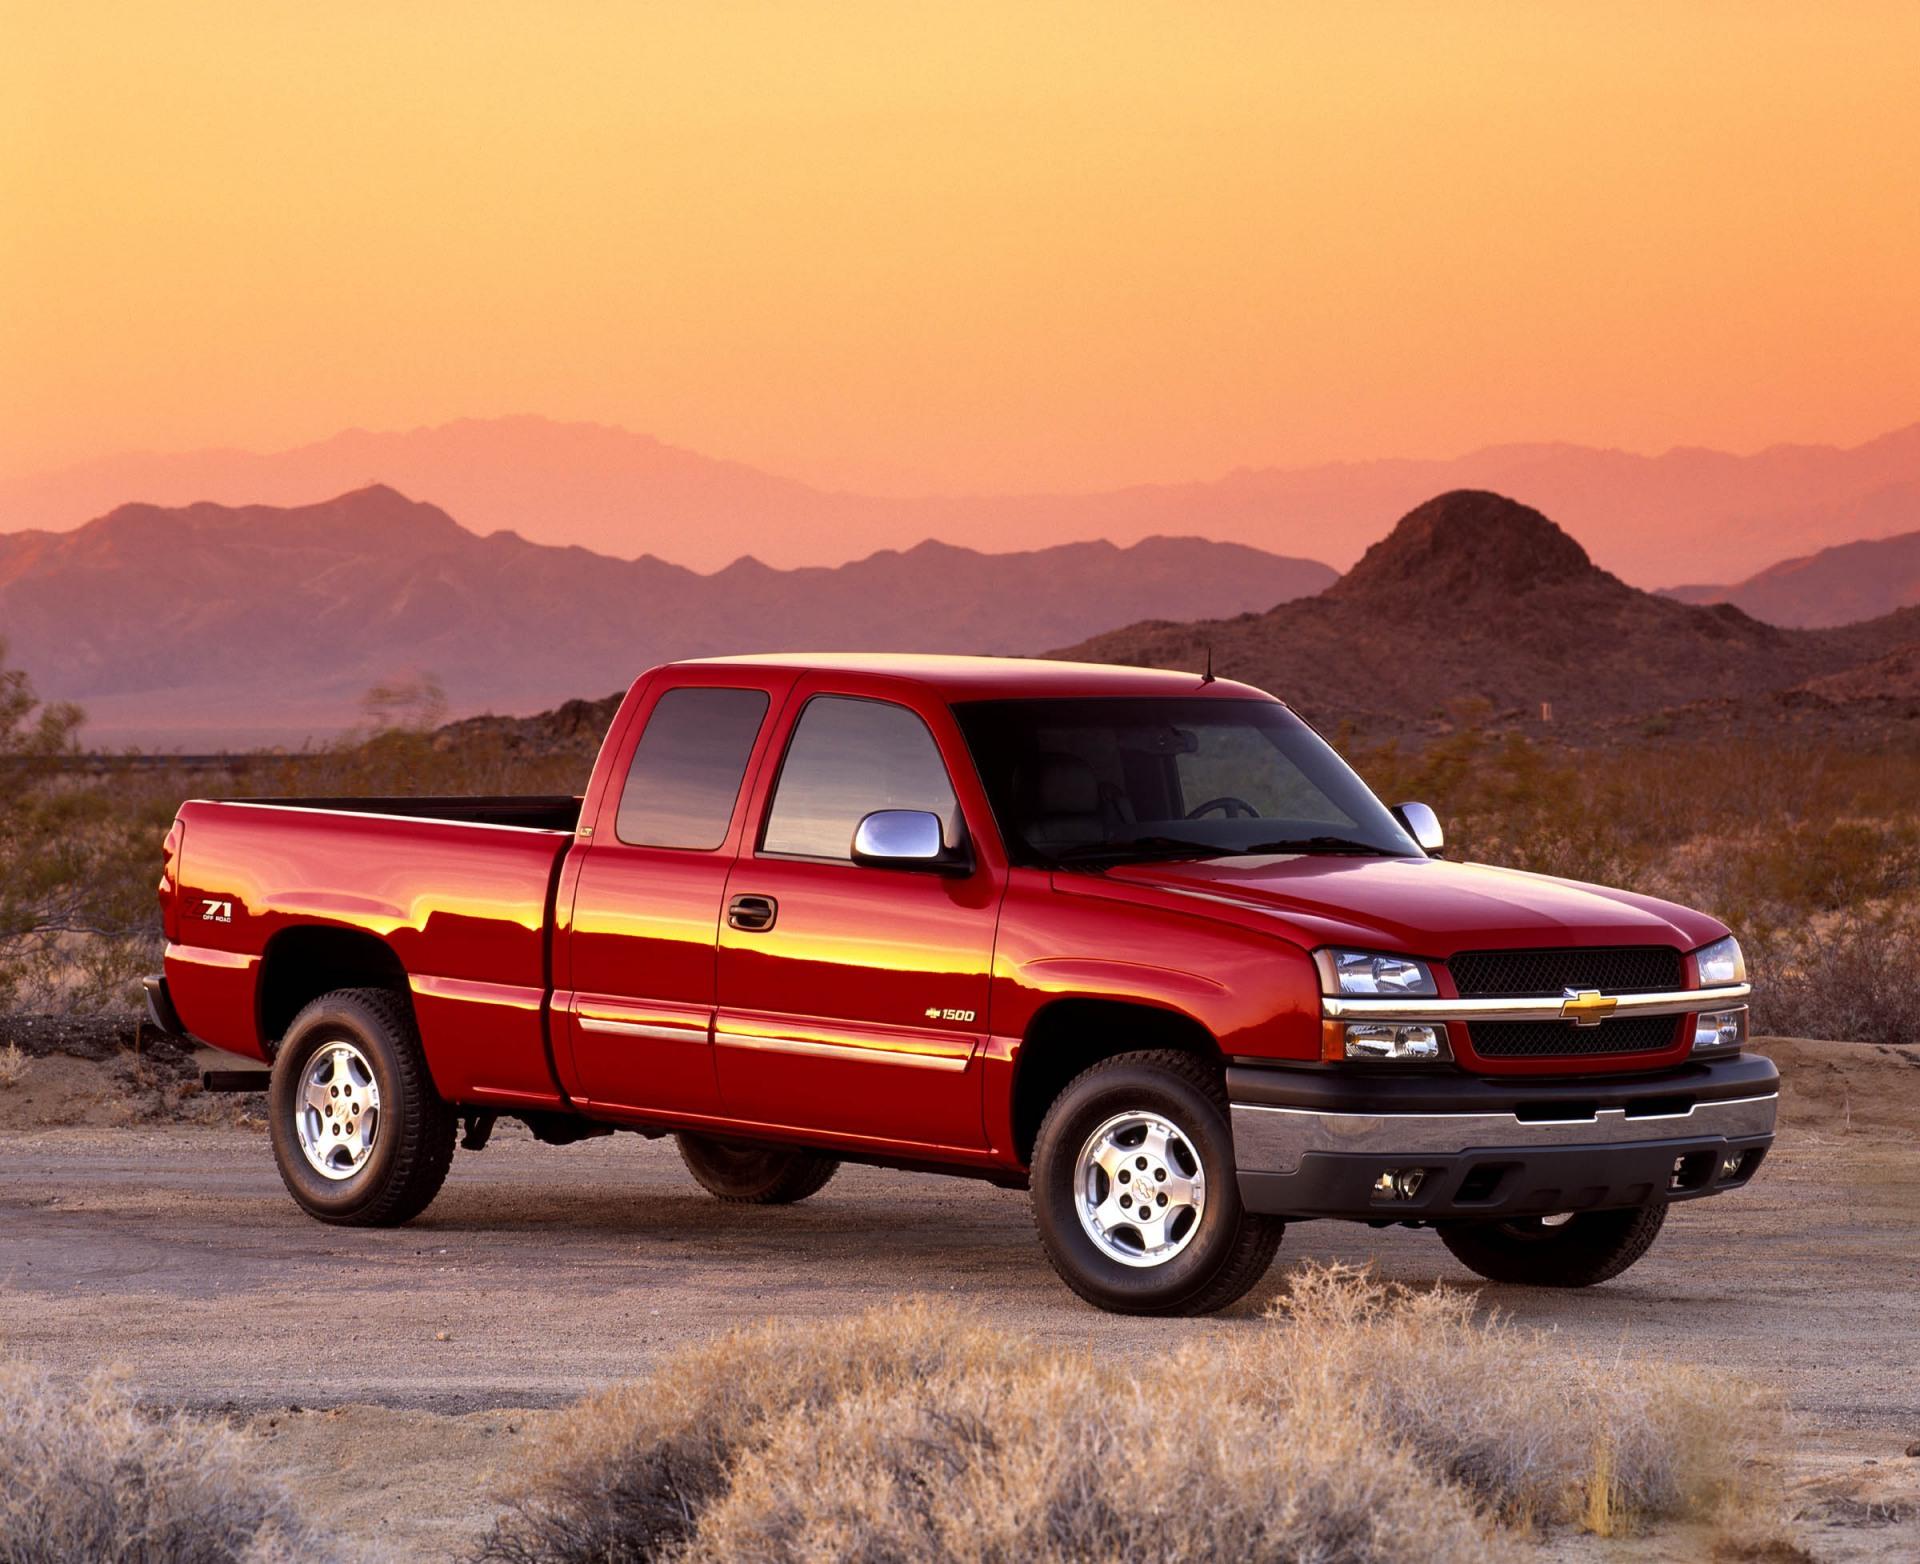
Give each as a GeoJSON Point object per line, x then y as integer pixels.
{"type": "Point", "coordinates": [904, 839]}
{"type": "Point", "coordinates": [1423, 825]}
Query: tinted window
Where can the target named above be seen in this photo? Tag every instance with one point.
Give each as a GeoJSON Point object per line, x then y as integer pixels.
{"type": "Point", "coordinates": [1168, 777]}
{"type": "Point", "coordinates": [848, 758]}
{"type": "Point", "coordinates": [687, 770]}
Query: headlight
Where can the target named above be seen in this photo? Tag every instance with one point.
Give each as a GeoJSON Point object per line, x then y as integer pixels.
{"type": "Point", "coordinates": [1721, 963]}
{"type": "Point", "coordinates": [1362, 972]}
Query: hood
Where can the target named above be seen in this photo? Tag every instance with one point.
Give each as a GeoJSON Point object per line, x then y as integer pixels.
{"type": "Point", "coordinates": [1410, 906]}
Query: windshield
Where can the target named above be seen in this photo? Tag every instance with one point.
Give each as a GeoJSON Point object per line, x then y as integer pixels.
{"type": "Point", "coordinates": [1114, 780]}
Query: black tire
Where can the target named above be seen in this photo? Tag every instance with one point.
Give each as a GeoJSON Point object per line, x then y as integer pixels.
{"type": "Point", "coordinates": [412, 1144]}
{"type": "Point", "coordinates": [1229, 1249]}
{"type": "Point", "coordinates": [741, 1174]}
{"type": "Point", "coordinates": [1589, 1247]}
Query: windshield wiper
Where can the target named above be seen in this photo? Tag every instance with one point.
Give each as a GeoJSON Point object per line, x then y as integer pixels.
{"type": "Point", "coordinates": [1320, 844]}
{"type": "Point", "coordinates": [1154, 847]}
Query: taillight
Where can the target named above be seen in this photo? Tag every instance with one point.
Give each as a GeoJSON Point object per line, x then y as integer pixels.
{"type": "Point", "coordinates": [170, 879]}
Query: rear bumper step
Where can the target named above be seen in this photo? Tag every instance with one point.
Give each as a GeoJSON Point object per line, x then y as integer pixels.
{"type": "Point", "coordinates": [235, 1080]}
{"type": "Point", "coordinates": [160, 1012]}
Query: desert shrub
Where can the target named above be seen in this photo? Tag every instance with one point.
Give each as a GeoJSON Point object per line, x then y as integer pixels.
{"type": "Point", "coordinates": [1764, 829]}
{"type": "Point", "coordinates": [629, 1470]}
{"type": "Point", "coordinates": [1827, 865]}
{"type": "Point", "coordinates": [1064, 1462]}
{"type": "Point", "coordinates": [1853, 977]}
{"type": "Point", "coordinates": [87, 1476]}
{"type": "Point", "coordinates": [15, 1065]}
{"type": "Point", "coordinates": [1359, 1422]}
{"type": "Point", "coordinates": [1533, 1428]}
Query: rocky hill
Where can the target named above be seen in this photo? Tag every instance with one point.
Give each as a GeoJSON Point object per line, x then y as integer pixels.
{"type": "Point", "coordinates": [1476, 598]}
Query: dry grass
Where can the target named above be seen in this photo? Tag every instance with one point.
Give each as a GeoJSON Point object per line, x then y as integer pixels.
{"type": "Point", "coordinates": [1852, 977]}
{"type": "Point", "coordinates": [88, 1476]}
{"type": "Point", "coordinates": [1360, 1422]}
{"type": "Point", "coordinates": [1536, 1430]}
{"type": "Point", "coordinates": [15, 1063]}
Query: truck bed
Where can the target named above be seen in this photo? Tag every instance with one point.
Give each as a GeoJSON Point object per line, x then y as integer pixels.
{"type": "Point", "coordinates": [456, 892]}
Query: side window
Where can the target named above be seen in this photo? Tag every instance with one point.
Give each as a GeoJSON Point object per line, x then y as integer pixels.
{"type": "Point", "coordinates": [848, 758]}
{"type": "Point", "coordinates": [687, 768]}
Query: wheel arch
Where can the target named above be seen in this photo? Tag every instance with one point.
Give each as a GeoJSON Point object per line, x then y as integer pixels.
{"type": "Point", "coordinates": [1069, 1035]}
{"type": "Point", "coordinates": [301, 963]}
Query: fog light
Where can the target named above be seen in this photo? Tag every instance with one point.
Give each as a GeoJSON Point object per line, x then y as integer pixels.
{"type": "Point", "coordinates": [1399, 1183]}
{"type": "Point", "coordinates": [1720, 1029]}
{"type": "Point", "coordinates": [1730, 1164]}
{"type": "Point", "coordinates": [1386, 1040]}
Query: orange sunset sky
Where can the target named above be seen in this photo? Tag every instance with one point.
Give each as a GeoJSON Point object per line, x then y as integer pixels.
{"type": "Point", "coordinates": [920, 248]}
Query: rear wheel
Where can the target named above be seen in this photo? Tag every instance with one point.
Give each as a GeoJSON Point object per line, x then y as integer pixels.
{"type": "Point", "coordinates": [359, 1134]}
{"type": "Point", "coordinates": [754, 1175]}
{"type": "Point", "coordinates": [1134, 1193]}
{"type": "Point", "coordinates": [1571, 1249]}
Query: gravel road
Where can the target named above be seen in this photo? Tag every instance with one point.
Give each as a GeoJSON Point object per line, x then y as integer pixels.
{"type": "Point", "coordinates": [543, 1272]}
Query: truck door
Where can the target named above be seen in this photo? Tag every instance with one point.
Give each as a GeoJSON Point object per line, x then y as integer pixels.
{"type": "Point", "coordinates": [853, 999]}
{"type": "Point", "coordinates": [638, 952]}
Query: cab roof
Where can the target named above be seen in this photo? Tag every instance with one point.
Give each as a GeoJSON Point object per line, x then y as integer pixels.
{"type": "Point", "coordinates": [994, 678]}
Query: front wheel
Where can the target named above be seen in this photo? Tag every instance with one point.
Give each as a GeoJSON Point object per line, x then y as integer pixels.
{"type": "Point", "coordinates": [1572, 1249]}
{"type": "Point", "coordinates": [1134, 1192]}
{"type": "Point", "coordinates": [754, 1175]}
{"type": "Point", "coordinates": [360, 1135]}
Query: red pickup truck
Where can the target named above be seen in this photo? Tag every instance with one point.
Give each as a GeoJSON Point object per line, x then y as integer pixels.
{"type": "Point", "coordinates": [1137, 940]}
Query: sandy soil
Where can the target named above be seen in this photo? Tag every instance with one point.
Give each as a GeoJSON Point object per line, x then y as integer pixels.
{"type": "Point", "coordinates": [419, 1359]}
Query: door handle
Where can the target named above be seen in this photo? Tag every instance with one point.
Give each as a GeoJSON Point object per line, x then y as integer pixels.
{"type": "Point", "coordinates": [752, 914]}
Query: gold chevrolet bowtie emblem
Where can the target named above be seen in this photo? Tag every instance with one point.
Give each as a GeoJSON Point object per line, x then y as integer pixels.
{"type": "Point", "coordinates": [1586, 1006]}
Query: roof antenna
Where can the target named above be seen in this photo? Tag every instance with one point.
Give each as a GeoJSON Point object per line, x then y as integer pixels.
{"type": "Point", "coordinates": [1207, 677]}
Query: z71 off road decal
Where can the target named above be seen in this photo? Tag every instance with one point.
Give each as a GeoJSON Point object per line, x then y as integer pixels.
{"type": "Point", "coordinates": [216, 911]}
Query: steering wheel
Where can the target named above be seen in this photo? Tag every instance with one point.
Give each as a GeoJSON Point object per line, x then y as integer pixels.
{"type": "Point", "coordinates": [1233, 808]}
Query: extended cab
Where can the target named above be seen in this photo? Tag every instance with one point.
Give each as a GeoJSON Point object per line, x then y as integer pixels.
{"type": "Point", "coordinates": [1137, 940]}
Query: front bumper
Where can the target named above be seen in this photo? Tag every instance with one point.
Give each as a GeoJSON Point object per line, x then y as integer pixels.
{"type": "Point", "coordinates": [1315, 1142]}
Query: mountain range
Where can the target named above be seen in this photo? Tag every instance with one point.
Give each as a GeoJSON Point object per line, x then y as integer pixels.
{"type": "Point", "coordinates": [206, 625]}
{"type": "Point", "coordinates": [1474, 597]}
{"type": "Point", "coordinates": [1837, 586]}
{"type": "Point", "coordinates": [1685, 515]}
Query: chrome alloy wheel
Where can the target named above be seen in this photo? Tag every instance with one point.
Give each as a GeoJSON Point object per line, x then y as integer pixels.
{"type": "Point", "coordinates": [336, 1115]}
{"type": "Point", "coordinates": [1139, 1189]}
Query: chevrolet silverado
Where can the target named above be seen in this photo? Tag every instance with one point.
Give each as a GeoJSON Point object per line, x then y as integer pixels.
{"type": "Point", "coordinates": [1138, 941]}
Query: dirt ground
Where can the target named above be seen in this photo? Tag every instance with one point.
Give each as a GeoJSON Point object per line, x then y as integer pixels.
{"type": "Point", "coordinates": [402, 1375]}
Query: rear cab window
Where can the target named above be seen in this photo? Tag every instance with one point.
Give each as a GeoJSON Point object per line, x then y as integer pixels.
{"type": "Point", "coordinates": [688, 767]}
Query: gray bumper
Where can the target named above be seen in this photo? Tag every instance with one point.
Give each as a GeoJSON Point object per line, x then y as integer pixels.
{"type": "Point", "coordinates": [160, 1012]}
{"type": "Point", "coordinates": [1313, 1143]}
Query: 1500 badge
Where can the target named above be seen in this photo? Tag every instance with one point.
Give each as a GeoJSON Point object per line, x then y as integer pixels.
{"type": "Point", "coordinates": [935, 1014]}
